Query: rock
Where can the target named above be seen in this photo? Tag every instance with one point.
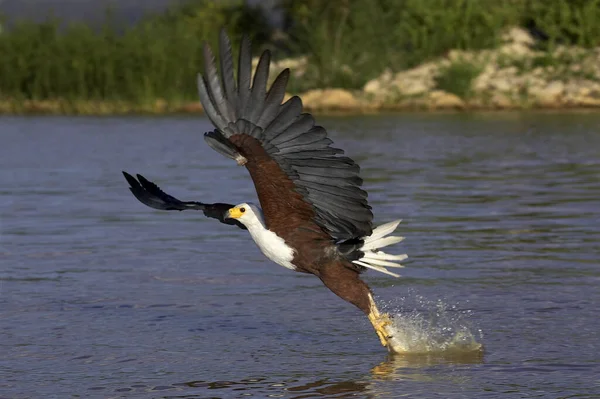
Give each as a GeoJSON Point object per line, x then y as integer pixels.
{"type": "Point", "coordinates": [502, 84]}
{"type": "Point", "coordinates": [330, 99]}
{"type": "Point", "coordinates": [440, 99]}
{"type": "Point", "coordinates": [548, 96]}
{"type": "Point", "coordinates": [555, 88]}
{"type": "Point", "coordinates": [501, 100]}
{"type": "Point", "coordinates": [411, 82]}
{"type": "Point", "coordinates": [417, 80]}
{"type": "Point", "coordinates": [376, 86]}
{"type": "Point", "coordinates": [481, 83]}
{"type": "Point", "coordinates": [484, 80]}
{"type": "Point", "coordinates": [412, 87]}
{"type": "Point", "coordinates": [587, 101]}
{"type": "Point", "coordinates": [515, 50]}
{"type": "Point", "coordinates": [517, 35]}
{"type": "Point", "coordinates": [539, 71]}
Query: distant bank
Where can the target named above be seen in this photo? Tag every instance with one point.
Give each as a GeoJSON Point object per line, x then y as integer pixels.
{"type": "Point", "coordinates": [513, 76]}
{"type": "Point", "coordinates": [344, 55]}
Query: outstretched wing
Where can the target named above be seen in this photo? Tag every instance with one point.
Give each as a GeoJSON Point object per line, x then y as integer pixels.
{"type": "Point", "coordinates": [151, 195]}
{"type": "Point", "coordinates": [298, 176]}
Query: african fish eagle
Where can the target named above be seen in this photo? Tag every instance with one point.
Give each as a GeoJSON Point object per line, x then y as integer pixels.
{"type": "Point", "coordinates": [313, 216]}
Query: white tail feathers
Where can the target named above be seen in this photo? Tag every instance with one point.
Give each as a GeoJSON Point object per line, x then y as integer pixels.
{"type": "Point", "coordinates": [375, 259]}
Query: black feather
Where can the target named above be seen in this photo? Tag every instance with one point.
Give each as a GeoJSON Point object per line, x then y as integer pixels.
{"type": "Point", "coordinates": [259, 89]}
{"type": "Point", "coordinates": [320, 153]}
{"type": "Point", "coordinates": [226, 61]}
{"type": "Point", "coordinates": [329, 172]}
{"type": "Point", "coordinates": [340, 210]}
{"type": "Point", "coordinates": [288, 114]}
{"type": "Point", "coordinates": [244, 76]}
{"type": "Point", "coordinates": [274, 99]}
{"type": "Point", "coordinates": [335, 182]}
{"type": "Point", "coordinates": [151, 195]}
{"type": "Point", "coordinates": [209, 109]}
{"type": "Point", "coordinates": [211, 79]}
{"type": "Point", "coordinates": [350, 192]}
{"type": "Point", "coordinates": [219, 143]}
{"type": "Point", "coordinates": [304, 125]}
{"type": "Point", "coordinates": [350, 202]}
{"type": "Point", "coordinates": [338, 163]}
{"type": "Point", "coordinates": [314, 135]}
{"type": "Point", "coordinates": [312, 146]}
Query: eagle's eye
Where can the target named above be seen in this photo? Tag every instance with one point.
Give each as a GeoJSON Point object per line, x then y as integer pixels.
{"type": "Point", "coordinates": [242, 209]}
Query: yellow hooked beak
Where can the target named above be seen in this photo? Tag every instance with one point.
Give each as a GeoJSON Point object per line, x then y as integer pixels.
{"type": "Point", "coordinates": [235, 213]}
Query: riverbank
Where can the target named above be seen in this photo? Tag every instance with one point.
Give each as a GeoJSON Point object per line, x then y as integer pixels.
{"type": "Point", "coordinates": [514, 76]}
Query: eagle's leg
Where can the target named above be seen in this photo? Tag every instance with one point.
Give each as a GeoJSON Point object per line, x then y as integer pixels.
{"type": "Point", "coordinates": [346, 283]}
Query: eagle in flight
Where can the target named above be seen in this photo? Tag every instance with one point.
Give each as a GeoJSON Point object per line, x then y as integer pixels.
{"type": "Point", "coordinates": [313, 215]}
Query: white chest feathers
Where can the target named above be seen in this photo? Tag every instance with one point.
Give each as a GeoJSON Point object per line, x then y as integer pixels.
{"type": "Point", "coordinates": [273, 246]}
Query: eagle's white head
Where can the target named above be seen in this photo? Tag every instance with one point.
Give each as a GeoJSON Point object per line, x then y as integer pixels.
{"type": "Point", "coordinates": [248, 214]}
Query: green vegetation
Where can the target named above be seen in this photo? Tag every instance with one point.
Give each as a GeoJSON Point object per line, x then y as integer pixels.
{"type": "Point", "coordinates": [457, 78]}
{"type": "Point", "coordinates": [347, 42]}
{"type": "Point", "coordinates": [572, 22]}
{"type": "Point", "coordinates": [158, 58]}
{"type": "Point", "coordinates": [571, 63]}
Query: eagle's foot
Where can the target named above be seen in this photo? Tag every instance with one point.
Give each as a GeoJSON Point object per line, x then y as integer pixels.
{"type": "Point", "coordinates": [380, 322]}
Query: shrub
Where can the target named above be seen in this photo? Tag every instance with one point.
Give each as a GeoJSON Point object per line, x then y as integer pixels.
{"type": "Point", "coordinates": [457, 78]}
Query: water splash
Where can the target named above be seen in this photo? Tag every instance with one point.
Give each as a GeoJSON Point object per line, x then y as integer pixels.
{"type": "Point", "coordinates": [433, 327]}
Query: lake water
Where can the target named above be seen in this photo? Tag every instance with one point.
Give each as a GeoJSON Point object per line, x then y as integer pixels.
{"type": "Point", "coordinates": [103, 297]}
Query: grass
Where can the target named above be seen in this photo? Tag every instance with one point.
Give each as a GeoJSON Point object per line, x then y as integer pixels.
{"type": "Point", "coordinates": [157, 58]}
{"type": "Point", "coordinates": [572, 22]}
{"type": "Point", "coordinates": [457, 78]}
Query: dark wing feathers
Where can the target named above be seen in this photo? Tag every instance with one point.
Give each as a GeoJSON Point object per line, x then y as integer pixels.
{"type": "Point", "coordinates": [324, 163]}
{"type": "Point", "coordinates": [259, 89]}
{"type": "Point", "coordinates": [300, 132]}
{"type": "Point", "coordinates": [226, 62]}
{"type": "Point", "coordinates": [339, 191]}
{"type": "Point", "coordinates": [274, 98]}
{"type": "Point", "coordinates": [244, 76]}
{"type": "Point", "coordinates": [207, 104]}
{"type": "Point", "coordinates": [289, 112]}
{"type": "Point", "coordinates": [219, 143]}
{"type": "Point", "coordinates": [151, 195]}
{"type": "Point", "coordinates": [320, 154]}
{"type": "Point", "coordinates": [331, 181]}
{"type": "Point", "coordinates": [327, 181]}
{"type": "Point", "coordinates": [342, 171]}
{"type": "Point", "coordinates": [322, 144]}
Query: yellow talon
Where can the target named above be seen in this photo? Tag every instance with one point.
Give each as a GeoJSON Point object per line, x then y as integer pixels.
{"type": "Point", "coordinates": [380, 322]}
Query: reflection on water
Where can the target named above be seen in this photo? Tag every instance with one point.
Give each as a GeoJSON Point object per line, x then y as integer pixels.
{"type": "Point", "coordinates": [407, 366]}
{"type": "Point", "coordinates": [103, 297]}
{"type": "Point", "coordinates": [255, 387]}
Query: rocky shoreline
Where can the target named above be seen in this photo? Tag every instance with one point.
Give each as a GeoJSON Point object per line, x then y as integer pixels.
{"type": "Point", "coordinates": [515, 76]}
